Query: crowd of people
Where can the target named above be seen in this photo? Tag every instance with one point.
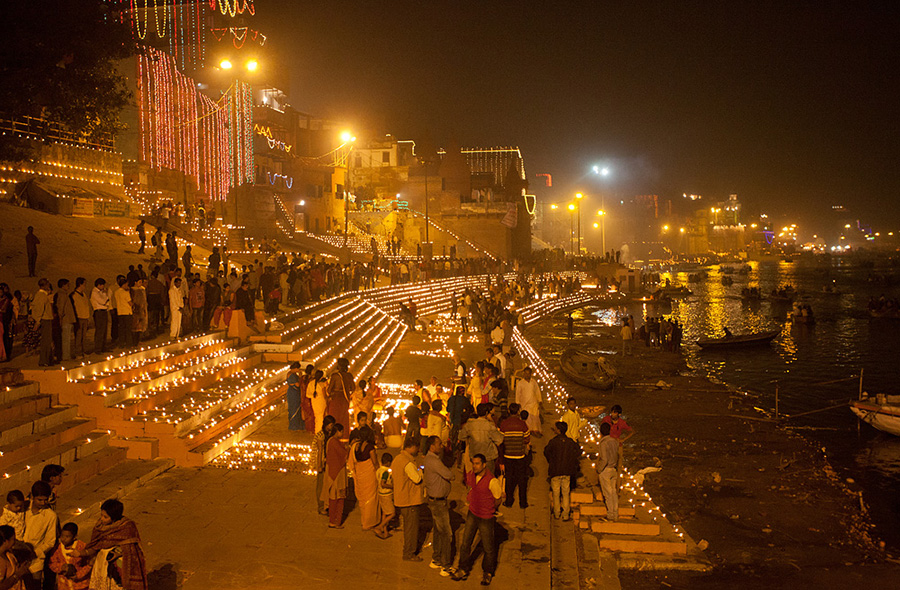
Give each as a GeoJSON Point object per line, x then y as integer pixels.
{"type": "Point", "coordinates": [658, 332]}
{"type": "Point", "coordinates": [479, 429]}
{"type": "Point", "coordinates": [36, 553]}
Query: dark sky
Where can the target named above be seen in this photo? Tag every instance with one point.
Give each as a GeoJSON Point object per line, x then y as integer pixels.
{"type": "Point", "coordinates": [792, 105]}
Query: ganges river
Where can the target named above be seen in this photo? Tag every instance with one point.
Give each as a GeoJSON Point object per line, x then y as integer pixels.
{"type": "Point", "coordinates": [804, 360]}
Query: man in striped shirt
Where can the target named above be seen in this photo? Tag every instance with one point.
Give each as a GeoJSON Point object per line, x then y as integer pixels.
{"type": "Point", "coordinates": [516, 443]}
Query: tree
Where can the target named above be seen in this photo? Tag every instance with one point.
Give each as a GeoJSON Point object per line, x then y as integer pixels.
{"type": "Point", "coordinates": [58, 61]}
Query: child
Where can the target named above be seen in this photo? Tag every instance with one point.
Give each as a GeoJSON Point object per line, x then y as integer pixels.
{"type": "Point", "coordinates": [385, 495]}
{"type": "Point", "coordinates": [14, 513]}
{"type": "Point", "coordinates": [72, 573]}
{"type": "Point", "coordinates": [52, 474]}
{"type": "Point", "coordinates": [41, 524]}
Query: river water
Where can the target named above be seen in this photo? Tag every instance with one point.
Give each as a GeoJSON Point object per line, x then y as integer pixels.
{"type": "Point", "coordinates": [803, 359]}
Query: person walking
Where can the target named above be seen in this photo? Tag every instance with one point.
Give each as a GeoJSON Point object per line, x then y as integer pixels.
{"type": "Point", "coordinates": [563, 458]}
{"type": "Point", "coordinates": [100, 304]}
{"type": "Point", "coordinates": [65, 310]}
{"type": "Point", "coordinates": [142, 235]}
{"type": "Point", "coordinates": [607, 469]}
{"type": "Point", "coordinates": [516, 442]}
{"type": "Point", "coordinates": [437, 487]}
{"type": "Point", "coordinates": [483, 499]}
{"type": "Point", "coordinates": [409, 496]}
{"type": "Point", "coordinates": [176, 305]}
{"type": "Point", "coordinates": [528, 396]}
{"type": "Point", "coordinates": [31, 244]}
{"type": "Point", "coordinates": [627, 338]}
{"type": "Point", "coordinates": [482, 437]}
{"type": "Point", "coordinates": [42, 314]}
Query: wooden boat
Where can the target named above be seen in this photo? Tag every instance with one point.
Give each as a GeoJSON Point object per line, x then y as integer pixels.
{"type": "Point", "coordinates": [882, 412]}
{"type": "Point", "coordinates": [739, 340]}
{"type": "Point", "coordinates": [587, 369]}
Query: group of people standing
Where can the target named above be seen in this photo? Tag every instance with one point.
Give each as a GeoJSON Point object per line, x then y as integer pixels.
{"type": "Point", "coordinates": [37, 554]}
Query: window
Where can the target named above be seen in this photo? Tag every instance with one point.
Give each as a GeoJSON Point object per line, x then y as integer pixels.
{"type": "Point", "coordinates": [386, 158]}
{"type": "Point", "coordinates": [358, 162]}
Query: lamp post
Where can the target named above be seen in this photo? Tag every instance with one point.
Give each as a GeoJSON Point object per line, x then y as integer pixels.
{"type": "Point", "coordinates": [572, 228]}
{"type": "Point", "coordinates": [346, 138]}
{"type": "Point", "coordinates": [578, 197]}
{"type": "Point", "coordinates": [602, 214]}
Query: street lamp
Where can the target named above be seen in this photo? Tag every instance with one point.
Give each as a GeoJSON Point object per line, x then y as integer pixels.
{"type": "Point", "coordinates": [572, 228]}
{"type": "Point", "coordinates": [578, 198]}
{"type": "Point", "coordinates": [602, 214]}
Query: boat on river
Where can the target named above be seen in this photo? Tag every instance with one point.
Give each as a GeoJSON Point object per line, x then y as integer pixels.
{"type": "Point", "coordinates": [589, 370]}
{"type": "Point", "coordinates": [738, 341]}
{"type": "Point", "coordinates": [881, 412]}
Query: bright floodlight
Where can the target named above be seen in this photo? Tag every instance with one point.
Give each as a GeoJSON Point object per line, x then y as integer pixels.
{"type": "Point", "coordinates": [346, 137]}
{"type": "Point", "coordinates": [604, 171]}
{"type": "Point", "coordinates": [554, 206]}
{"type": "Point", "coordinates": [571, 206]}
{"type": "Point", "coordinates": [252, 65]}
{"type": "Point", "coordinates": [225, 64]}
{"type": "Point", "coordinates": [601, 212]}
{"type": "Point", "coordinates": [596, 169]}
{"type": "Point", "coordinates": [579, 196]}
{"type": "Point", "coordinates": [302, 202]}
{"type": "Point", "coordinates": [596, 225]}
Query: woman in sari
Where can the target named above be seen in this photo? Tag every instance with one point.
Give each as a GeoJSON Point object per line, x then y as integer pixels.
{"type": "Point", "coordinates": [317, 394]}
{"type": "Point", "coordinates": [11, 571]}
{"type": "Point", "coordinates": [340, 389]}
{"type": "Point", "coordinates": [309, 415]}
{"type": "Point", "coordinates": [334, 488]}
{"type": "Point", "coordinates": [116, 544]}
{"type": "Point", "coordinates": [364, 482]}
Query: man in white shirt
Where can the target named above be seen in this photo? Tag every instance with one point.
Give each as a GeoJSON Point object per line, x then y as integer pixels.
{"type": "Point", "coordinates": [176, 304]}
{"type": "Point", "coordinates": [500, 360]}
{"type": "Point", "coordinates": [528, 396]}
{"type": "Point", "coordinates": [41, 524]}
{"type": "Point", "coordinates": [100, 305]}
{"type": "Point", "coordinates": [574, 420]}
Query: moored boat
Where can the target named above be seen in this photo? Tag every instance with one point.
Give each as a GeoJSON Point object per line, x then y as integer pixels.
{"type": "Point", "coordinates": [882, 412]}
{"type": "Point", "coordinates": [739, 340]}
{"type": "Point", "coordinates": [588, 370]}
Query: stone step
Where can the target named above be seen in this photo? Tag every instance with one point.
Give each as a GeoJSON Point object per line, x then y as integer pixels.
{"type": "Point", "coordinates": [12, 392]}
{"type": "Point", "coordinates": [83, 459]}
{"type": "Point", "coordinates": [249, 421]}
{"type": "Point", "coordinates": [10, 377]}
{"type": "Point", "coordinates": [155, 364]}
{"type": "Point", "coordinates": [386, 344]}
{"type": "Point", "coordinates": [24, 406]}
{"type": "Point", "coordinates": [312, 318]}
{"type": "Point", "coordinates": [334, 349]}
{"type": "Point", "coordinates": [81, 503]}
{"type": "Point", "coordinates": [600, 510]}
{"type": "Point", "coordinates": [168, 377]}
{"type": "Point", "coordinates": [625, 528]}
{"type": "Point", "coordinates": [314, 341]}
{"type": "Point", "coordinates": [23, 449]}
{"type": "Point", "coordinates": [639, 544]}
{"type": "Point", "coordinates": [35, 423]}
{"type": "Point", "coordinates": [182, 415]}
{"type": "Point", "coordinates": [201, 378]}
{"type": "Point", "coordinates": [134, 359]}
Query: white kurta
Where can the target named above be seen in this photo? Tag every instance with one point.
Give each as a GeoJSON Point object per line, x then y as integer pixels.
{"type": "Point", "coordinates": [528, 396]}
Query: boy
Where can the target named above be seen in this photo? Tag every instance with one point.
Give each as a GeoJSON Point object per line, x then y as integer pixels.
{"type": "Point", "coordinates": [385, 495]}
{"type": "Point", "coordinates": [72, 573]}
{"type": "Point", "coordinates": [41, 524]}
{"type": "Point", "coordinates": [14, 512]}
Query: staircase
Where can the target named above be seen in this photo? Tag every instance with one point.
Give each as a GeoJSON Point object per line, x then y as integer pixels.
{"type": "Point", "coordinates": [641, 536]}
{"type": "Point", "coordinates": [36, 430]}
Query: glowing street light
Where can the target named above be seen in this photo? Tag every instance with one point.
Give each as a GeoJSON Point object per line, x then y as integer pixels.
{"type": "Point", "coordinates": [252, 65]}
{"type": "Point", "coordinates": [571, 206]}
{"type": "Point", "coordinates": [665, 228]}
{"type": "Point", "coordinates": [347, 137]}
{"type": "Point", "coordinates": [225, 64]}
{"type": "Point", "coordinates": [579, 196]}
{"type": "Point", "coordinates": [554, 206]}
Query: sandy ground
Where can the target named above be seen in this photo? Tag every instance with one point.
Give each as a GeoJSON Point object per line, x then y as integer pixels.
{"type": "Point", "coordinates": [773, 511]}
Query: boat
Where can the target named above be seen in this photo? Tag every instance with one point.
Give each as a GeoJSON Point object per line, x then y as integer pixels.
{"type": "Point", "coordinates": [882, 412]}
{"type": "Point", "coordinates": [739, 340]}
{"type": "Point", "coordinates": [588, 369]}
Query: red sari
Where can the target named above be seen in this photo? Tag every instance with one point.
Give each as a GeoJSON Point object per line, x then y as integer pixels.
{"type": "Point", "coordinates": [122, 533]}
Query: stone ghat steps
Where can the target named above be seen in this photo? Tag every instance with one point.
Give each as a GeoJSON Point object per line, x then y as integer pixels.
{"type": "Point", "coordinates": [300, 321]}
{"type": "Point", "coordinates": [36, 432]}
{"type": "Point", "coordinates": [640, 529]}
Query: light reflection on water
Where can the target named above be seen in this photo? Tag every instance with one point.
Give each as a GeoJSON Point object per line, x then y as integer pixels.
{"type": "Point", "coordinates": [843, 341]}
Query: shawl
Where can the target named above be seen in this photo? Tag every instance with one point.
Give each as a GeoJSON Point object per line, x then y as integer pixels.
{"type": "Point", "coordinates": [122, 533]}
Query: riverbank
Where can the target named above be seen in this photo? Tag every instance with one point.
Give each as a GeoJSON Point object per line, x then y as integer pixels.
{"type": "Point", "coordinates": [766, 501]}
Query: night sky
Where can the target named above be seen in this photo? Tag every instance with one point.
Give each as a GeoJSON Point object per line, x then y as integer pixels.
{"type": "Point", "coordinates": [792, 105]}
